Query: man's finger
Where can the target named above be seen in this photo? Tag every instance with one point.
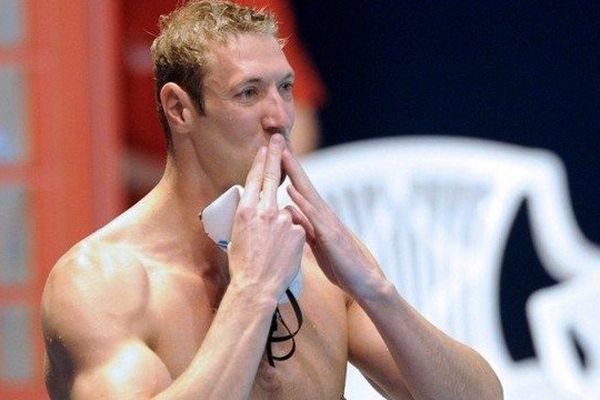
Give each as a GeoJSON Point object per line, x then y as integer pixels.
{"type": "Point", "coordinates": [307, 208]}
{"type": "Point", "coordinates": [299, 178]}
{"type": "Point", "coordinates": [299, 219]}
{"type": "Point", "coordinates": [254, 179]}
{"type": "Point", "coordinates": [272, 173]}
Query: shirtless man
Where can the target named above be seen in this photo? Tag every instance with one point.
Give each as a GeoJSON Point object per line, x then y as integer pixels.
{"type": "Point", "coordinates": [149, 307]}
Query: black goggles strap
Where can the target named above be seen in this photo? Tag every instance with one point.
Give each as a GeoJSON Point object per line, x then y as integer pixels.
{"type": "Point", "coordinates": [289, 336]}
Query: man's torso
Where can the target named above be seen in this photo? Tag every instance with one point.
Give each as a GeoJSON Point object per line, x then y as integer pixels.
{"type": "Point", "coordinates": [180, 308]}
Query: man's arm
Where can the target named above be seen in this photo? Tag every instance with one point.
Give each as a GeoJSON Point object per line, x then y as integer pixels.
{"type": "Point", "coordinates": [95, 309]}
{"type": "Point", "coordinates": [90, 314]}
{"type": "Point", "coordinates": [94, 321]}
{"type": "Point", "coordinates": [388, 339]}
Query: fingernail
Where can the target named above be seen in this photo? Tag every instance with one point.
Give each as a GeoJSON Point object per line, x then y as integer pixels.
{"type": "Point", "coordinates": [277, 139]}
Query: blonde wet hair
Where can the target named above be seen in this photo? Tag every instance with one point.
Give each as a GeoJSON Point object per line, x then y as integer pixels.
{"type": "Point", "coordinates": [181, 52]}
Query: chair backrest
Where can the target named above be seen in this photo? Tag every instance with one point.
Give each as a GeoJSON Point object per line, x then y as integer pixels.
{"type": "Point", "coordinates": [561, 316]}
{"type": "Point", "coordinates": [436, 212]}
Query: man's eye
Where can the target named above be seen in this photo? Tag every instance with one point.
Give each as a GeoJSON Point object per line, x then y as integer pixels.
{"type": "Point", "coordinates": [286, 90]}
{"type": "Point", "coordinates": [248, 94]}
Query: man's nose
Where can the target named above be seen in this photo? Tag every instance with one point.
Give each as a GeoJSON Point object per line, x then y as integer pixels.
{"type": "Point", "coordinates": [278, 116]}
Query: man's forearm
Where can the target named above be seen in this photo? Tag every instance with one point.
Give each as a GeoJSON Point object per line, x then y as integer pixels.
{"type": "Point", "coordinates": [226, 364]}
{"type": "Point", "coordinates": [434, 365]}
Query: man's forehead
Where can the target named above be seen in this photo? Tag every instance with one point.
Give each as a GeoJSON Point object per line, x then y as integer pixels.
{"type": "Point", "coordinates": [245, 46]}
{"type": "Point", "coordinates": [248, 56]}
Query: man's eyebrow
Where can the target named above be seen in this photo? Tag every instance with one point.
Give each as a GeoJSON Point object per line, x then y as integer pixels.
{"type": "Point", "coordinates": [235, 86]}
{"type": "Point", "coordinates": [289, 76]}
{"type": "Point", "coordinates": [253, 80]}
{"type": "Point", "coordinates": [260, 80]}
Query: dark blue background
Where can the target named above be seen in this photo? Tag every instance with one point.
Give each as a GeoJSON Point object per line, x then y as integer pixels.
{"type": "Point", "coordinates": [524, 72]}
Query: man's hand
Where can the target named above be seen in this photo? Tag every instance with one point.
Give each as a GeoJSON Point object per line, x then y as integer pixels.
{"type": "Point", "coordinates": [342, 257]}
{"type": "Point", "coordinates": [266, 246]}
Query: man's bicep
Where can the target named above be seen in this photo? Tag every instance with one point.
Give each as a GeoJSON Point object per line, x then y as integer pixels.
{"type": "Point", "coordinates": [131, 371]}
{"type": "Point", "coordinates": [94, 346]}
{"type": "Point", "coordinates": [369, 353]}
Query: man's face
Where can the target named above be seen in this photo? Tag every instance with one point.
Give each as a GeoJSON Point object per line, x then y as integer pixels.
{"type": "Point", "coordinates": [247, 98]}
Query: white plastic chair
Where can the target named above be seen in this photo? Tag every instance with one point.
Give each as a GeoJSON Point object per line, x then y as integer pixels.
{"type": "Point", "coordinates": [436, 212]}
{"type": "Point", "coordinates": [560, 315]}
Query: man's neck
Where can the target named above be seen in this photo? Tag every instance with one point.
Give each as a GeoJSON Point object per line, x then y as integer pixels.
{"type": "Point", "coordinates": [172, 208]}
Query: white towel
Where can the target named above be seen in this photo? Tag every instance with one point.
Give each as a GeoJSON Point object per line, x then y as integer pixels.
{"type": "Point", "coordinates": [217, 220]}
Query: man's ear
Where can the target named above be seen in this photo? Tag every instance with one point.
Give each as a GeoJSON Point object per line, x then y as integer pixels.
{"type": "Point", "coordinates": [177, 106]}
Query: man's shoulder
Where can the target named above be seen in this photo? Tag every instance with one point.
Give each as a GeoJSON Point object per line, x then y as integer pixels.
{"type": "Point", "coordinates": [93, 280]}
{"type": "Point", "coordinates": [94, 257]}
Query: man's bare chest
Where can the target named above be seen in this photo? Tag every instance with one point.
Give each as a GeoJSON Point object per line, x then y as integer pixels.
{"type": "Point", "coordinates": [183, 315]}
